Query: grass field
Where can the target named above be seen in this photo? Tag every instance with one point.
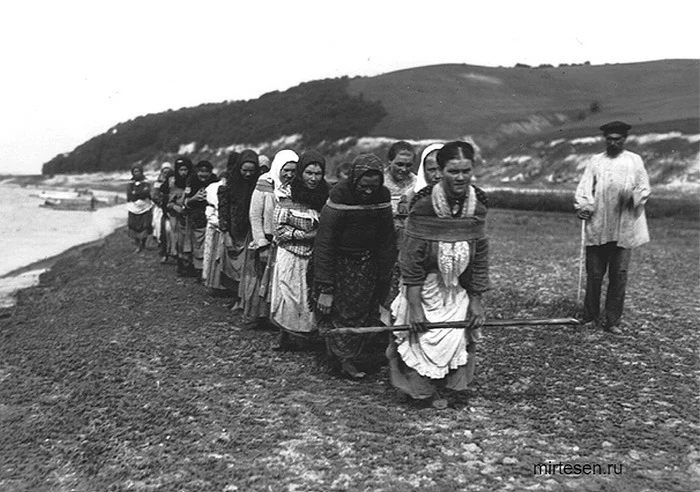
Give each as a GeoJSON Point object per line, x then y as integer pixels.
{"type": "Point", "coordinates": [451, 100]}
{"type": "Point", "coordinates": [116, 375]}
{"type": "Point", "coordinates": [679, 205]}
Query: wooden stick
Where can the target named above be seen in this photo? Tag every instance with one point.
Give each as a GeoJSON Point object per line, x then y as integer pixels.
{"type": "Point", "coordinates": [490, 323]}
{"type": "Point", "coordinates": [581, 255]}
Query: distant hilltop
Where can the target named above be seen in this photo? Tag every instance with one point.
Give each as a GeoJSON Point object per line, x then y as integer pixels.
{"type": "Point", "coordinates": [532, 125]}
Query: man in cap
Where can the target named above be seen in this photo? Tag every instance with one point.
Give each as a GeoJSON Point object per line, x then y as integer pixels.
{"type": "Point", "coordinates": [611, 198]}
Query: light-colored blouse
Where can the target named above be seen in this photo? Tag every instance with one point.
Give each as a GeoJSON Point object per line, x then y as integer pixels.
{"type": "Point", "coordinates": [615, 191]}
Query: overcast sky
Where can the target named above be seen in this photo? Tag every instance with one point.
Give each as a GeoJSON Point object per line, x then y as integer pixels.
{"type": "Point", "coordinates": [72, 69]}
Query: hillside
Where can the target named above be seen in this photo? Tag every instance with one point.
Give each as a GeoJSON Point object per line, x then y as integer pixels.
{"type": "Point", "coordinates": [533, 126]}
{"type": "Point", "coordinates": [449, 101]}
{"type": "Point", "coordinates": [318, 110]}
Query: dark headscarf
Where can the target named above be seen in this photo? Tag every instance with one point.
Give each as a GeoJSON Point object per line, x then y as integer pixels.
{"type": "Point", "coordinates": [133, 168]}
{"type": "Point", "coordinates": [232, 161]}
{"type": "Point", "coordinates": [365, 164]}
{"type": "Point", "coordinates": [317, 197]}
{"type": "Point", "coordinates": [235, 195]}
{"type": "Point", "coordinates": [181, 181]}
{"type": "Point", "coordinates": [194, 184]}
{"type": "Point", "coordinates": [236, 161]}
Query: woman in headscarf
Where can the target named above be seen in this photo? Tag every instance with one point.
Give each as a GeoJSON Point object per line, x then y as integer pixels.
{"type": "Point", "coordinates": [140, 206]}
{"type": "Point", "coordinates": [354, 252]}
{"type": "Point", "coordinates": [176, 210]}
{"type": "Point", "coordinates": [296, 223]}
{"type": "Point", "coordinates": [428, 171]}
{"type": "Point", "coordinates": [195, 205]}
{"type": "Point", "coordinates": [444, 266]}
{"type": "Point", "coordinates": [161, 224]}
{"type": "Point", "coordinates": [264, 163]}
{"type": "Point", "coordinates": [428, 175]}
{"type": "Point", "coordinates": [214, 250]}
{"type": "Point", "coordinates": [254, 288]}
{"type": "Point", "coordinates": [234, 203]}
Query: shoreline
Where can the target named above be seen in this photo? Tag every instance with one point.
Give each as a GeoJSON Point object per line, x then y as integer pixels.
{"type": "Point", "coordinates": [32, 275]}
{"type": "Point", "coordinates": [47, 263]}
{"type": "Point", "coordinates": [36, 237]}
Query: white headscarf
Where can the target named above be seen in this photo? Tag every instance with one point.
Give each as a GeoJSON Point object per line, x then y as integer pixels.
{"type": "Point", "coordinates": [420, 182]}
{"type": "Point", "coordinates": [273, 175]}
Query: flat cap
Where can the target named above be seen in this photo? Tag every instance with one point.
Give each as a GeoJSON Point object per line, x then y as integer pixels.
{"type": "Point", "coordinates": [616, 127]}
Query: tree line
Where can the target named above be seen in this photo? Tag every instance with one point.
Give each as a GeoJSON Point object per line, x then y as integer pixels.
{"type": "Point", "coordinates": [318, 110]}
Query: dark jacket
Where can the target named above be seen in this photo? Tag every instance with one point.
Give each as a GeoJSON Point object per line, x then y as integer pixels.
{"type": "Point", "coordinates": [354, 231]}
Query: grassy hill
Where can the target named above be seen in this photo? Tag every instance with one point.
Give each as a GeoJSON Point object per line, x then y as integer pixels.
{"type": "Point", "coordinates": [533, 126]}
{"type": "Point", "coordinates": [449, 101]}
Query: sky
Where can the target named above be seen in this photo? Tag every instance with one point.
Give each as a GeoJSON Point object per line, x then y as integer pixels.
{"type": "Point", "coordinates": [73, 69]}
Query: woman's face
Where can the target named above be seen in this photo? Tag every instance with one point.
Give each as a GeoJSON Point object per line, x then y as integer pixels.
{"type": "Point", "coordinates": [182, 171]}
{"type": "Point", "coordinates": [312, 176]}
{"type": "Point", "coordinates": [248, 170]}
{"type": "Point", "coordinates": [400, 167]}
{"type": "Point", "coordinates": [367, 186]}
{"type": "Point", "coordinates": [203, 173]}
{"type": "Point", "coordinates": [457, 175]}
{"type": "Point", "coordinates": [431, 170]}
{"type": "Point", "coordinates": [137, 173]}
{"type": "Point", "coordinates": [287, 172]}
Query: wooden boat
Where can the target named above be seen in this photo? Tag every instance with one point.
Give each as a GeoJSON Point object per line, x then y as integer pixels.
{"type": "Point", "coordinates": [69, 200]}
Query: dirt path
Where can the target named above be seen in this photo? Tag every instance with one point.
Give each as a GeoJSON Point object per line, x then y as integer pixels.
{"type": "Point", "coordinates": [116, 375]}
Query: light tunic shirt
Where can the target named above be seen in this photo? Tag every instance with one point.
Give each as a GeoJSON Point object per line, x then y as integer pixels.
{"type": "Point", "coordinates": [212, 210]}
{"type": "Point", "coordinates": [603, 189]}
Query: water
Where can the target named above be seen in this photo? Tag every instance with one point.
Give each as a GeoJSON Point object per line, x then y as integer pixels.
{"type": "Point", "coordinates": [30, 234]}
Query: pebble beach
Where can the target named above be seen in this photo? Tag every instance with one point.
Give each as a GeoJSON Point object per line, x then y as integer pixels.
{"type": "Point", "coordinates": [115, 374]}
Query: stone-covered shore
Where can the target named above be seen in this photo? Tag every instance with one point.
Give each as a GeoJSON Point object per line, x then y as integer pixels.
{"type": "Point", "coordinates": [117, 375]}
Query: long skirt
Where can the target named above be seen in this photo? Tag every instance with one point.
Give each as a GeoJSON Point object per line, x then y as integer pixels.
{"type": "Point", "coordinates": [157, 216]}
{"type": "Point", "coordinates": [209, 251]}
{"type": "Point", "coordinates": [221, 265]}
{"type": "Point", "coordinates": [254, 288]}
{"type": "Point", "coordinates": [171, 233]}
{"type": "Point", "coordinates": [355, 303]}
{"type": "Point", "coordinates": [233, 258]}
{"type": "Point", "coordinates": [290, 309]}
{"type": "Point", "coordinates": [212, 266]}
{"type": "Point", "coordinates": [198, 237]}
{"type": "Point", "coordinates": [418, 387]}
{"type": "Point", "coordinates": [166, 236]}
{"type": "Point", "coordinates": [183, 235]}
{"type": "Point", "coordinates": [438, 358]}
{"type": "Point", "coordinates": [140, 225]}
